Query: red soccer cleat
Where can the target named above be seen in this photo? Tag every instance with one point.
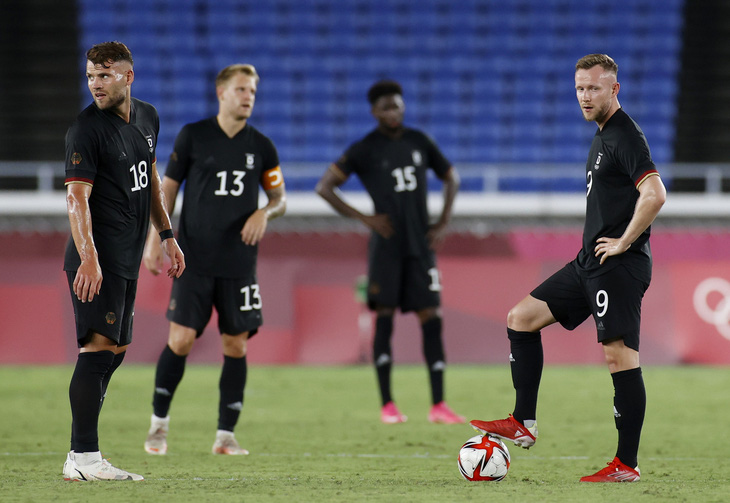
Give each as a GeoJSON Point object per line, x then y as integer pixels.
{"type": "Point", "coordinates": [616, 471]}
{"type": "Point", "coordinates": [442, 413]}
{"type": "Point", "coordinates": [508, 429]}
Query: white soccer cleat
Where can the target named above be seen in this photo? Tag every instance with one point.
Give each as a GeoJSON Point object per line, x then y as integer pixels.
{"type": "Point", "coordinates": [90, 466]}
{"type": "Point", "coordinates": [225, 443]}
{"type": "Point", "coordinates": [68, 466]}
{"type": "Point", "coordinates": [156, 442]}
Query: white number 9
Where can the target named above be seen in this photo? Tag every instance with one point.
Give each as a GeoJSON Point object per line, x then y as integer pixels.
{"type": "Point", "coordinates": [602, 302]}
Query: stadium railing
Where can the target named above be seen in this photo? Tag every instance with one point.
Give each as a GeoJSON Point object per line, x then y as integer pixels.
{"type": "Point", "coordinates": [30, 189]}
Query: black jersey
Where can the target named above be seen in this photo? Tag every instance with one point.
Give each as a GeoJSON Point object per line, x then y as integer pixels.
{"type": "Point", "coordinates": [618, 162]}
{"type": "Point", "coordinates": [393, 171]}
{"type": "Point", "coordinates": [222, 177]}
{"type": "Point", "coordinates": [115, 158]}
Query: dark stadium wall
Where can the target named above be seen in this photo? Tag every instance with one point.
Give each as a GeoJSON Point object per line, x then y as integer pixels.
{"type": "Point", "coordinates": [41, 67]}
{"type": "Point", "coordinates": [703, 114]}
{"type": "Point", "coordinates": [312, 314]}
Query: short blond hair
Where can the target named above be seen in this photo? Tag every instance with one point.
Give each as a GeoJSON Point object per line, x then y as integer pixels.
{"type": "Point", "coordinates": [228, 72]}
{"type": "Point", "coordinates": [603, 60]}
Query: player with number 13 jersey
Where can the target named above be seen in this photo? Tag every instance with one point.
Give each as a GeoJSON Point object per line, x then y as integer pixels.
{"type": "Point", "coordinates": [222, 177]}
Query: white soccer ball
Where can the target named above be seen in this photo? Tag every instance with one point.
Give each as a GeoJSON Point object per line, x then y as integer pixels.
{"type": "Point", "coordinates": [484, 458]}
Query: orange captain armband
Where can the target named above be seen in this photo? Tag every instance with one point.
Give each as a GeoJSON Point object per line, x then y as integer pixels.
{"type": "Point", "coordinates": [272, 178]}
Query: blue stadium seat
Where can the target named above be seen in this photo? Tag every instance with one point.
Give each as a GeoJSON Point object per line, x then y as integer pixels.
{"type": "Point", "coordinates": [491, 80]}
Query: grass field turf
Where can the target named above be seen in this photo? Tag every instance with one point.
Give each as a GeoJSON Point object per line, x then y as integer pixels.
{"type": "Point", "coordinates": [314, 435]}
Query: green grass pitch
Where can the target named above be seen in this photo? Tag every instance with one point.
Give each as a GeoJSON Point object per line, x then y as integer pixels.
{"type": "Point", "coordinates": [314, 435]}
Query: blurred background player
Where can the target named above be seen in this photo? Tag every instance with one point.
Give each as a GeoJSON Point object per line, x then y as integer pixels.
{"type": "Point", "coordinates": [391, 161]}
{"type": "Point", "coordinates": [112, 192]}
{"type": "Point", "coordinates": [222, 160]}
{"type": "Point", "coordinates": [607, 279]}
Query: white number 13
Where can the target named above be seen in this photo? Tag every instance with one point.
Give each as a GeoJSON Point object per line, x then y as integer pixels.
{"type": "Point", "coordinates": [251, 293]}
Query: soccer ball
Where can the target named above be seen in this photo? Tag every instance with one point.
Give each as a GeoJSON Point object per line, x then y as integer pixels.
{"type": "Point", "coordinates": [484, 458]}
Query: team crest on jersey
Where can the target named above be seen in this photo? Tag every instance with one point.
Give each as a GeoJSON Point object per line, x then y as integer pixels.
{"type": "Point", "coordinates": [110, 318]}
{"type": "Point", "coordinates": [598, 161]}
{"type": "Point", "coordinates": [250, 159]}
{"type": "Point", "coordinates": [75, 158]}
{"type": "Point", "coordinates": [417, 158]}
{"type": "Point", "coordinates": [150, 143]}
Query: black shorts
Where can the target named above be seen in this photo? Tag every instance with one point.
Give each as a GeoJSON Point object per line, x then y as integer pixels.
{"type": "Point", "coordinates": [613, 298]}
{"type": "Point", "coordinates": [411, 283]}
{"type": "Point", "coordinates": [110, 313]}
{"type": "Point", "coordinates": [237, 301]}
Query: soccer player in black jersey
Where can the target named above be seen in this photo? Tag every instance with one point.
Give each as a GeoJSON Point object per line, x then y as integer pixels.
{"type": "Point", "coordinates": [391, 161]}
{"type": "Point", "coordinates": [607, 279]}
{"type": "Point", "coordinates": [113, 191]}
{"type": "Point", "coordinates": [223, 161]}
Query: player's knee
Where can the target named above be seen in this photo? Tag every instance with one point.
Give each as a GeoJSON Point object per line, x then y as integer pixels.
{"type": "Point", "coordinates": [235, 346]}
{"type": "Point", "coordinates": [620, 357]}
{"type": "Point", "coordinates": [517, 319]}
{"type": "Point", "coordinates": [181, 341]}
{"type": "Point", "coordinates": [430, 313]}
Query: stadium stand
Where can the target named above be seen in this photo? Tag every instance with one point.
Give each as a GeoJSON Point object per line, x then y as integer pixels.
{"type": "Point", "coordinates": [490, 80]}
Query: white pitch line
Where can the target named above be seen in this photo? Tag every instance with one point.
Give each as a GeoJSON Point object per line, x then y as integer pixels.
{"type": "Point", "coordinates": [385, 456]}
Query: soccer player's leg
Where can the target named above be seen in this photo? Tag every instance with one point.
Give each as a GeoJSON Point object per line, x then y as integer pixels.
{"type": "Point", "coordinates": [421, 293]}
{"type": "Point", "coordinates": [103, 329]}
{"type": "Point", "coordinates": [189, 310]}
{"type": "Point", "coordinates": [238, 302]}
{"type": "Point", "coordinates": [559, 298]}
{"type": "Point", "coordinates": [617, 312]}
{"type": "Point", "coordinates": [383, 292]}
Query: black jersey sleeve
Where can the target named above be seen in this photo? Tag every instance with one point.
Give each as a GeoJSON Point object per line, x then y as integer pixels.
{"type": "Point", "coordinates": [271, 156]}
{"type": "Point", "coordinates": [439, 164]}
{"type": "Point", "coordinates": [180, 158]}
{"type": "Point", "coordinates": [82, 154]}
{"type": "Point", "coordinates": [350, 161]}
{"type": "Point", "coordinates": [635, 157]}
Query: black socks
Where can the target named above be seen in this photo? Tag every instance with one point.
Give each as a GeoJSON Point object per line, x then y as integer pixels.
{"type": "Point", "coordinates": [170, 370]}
{"type": "Point", "coordinates": [85, 395]}
{"type": "Point", "coordinates": [629, 408]}
{"type": "Point", "coordinates": [382, 355]}
{"type": "Point", "coordinates": [433, 351]}
{"type": "Point", "coordinates": [526, 361]}
{"type": "Point", "coordinates": [231, 385]}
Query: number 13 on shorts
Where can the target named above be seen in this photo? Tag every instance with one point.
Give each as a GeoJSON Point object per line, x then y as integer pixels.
{"type": "Point", "coordinates": [251, 297]}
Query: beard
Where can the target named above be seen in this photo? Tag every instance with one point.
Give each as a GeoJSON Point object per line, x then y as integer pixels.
{"type": "Point", "coordinates": [599, 114]}
{"type": "Point", "coordinates": [112, 102]}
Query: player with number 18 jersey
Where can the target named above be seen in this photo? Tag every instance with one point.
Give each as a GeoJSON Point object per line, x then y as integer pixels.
{"type": "Point", "coordinates": [113, 156]}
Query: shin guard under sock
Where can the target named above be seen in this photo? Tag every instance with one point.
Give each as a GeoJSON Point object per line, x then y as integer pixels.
{"type": "Point", "coordinates": [382, 355]}
{"type": "Point", "coordinates": [433, 350]}
{"type": "Point", "coordinates": [170, 370]}
{"type": "Point", "coordinates": [231, 385]}
{"type": "Point", "coordinates": [118, 359]}
{"type": "Point", "coordinates": [629, 405]}
{"type": "Point", "coordinates": [85, 395]}
{"type": "Point", "coordinates": [526, 361]}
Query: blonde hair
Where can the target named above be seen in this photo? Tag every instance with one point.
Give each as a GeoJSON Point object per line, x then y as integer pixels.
{"type": "Point", "coordinates": [604, 60]}
{"type": "Point", "coordinates": [228, 72]}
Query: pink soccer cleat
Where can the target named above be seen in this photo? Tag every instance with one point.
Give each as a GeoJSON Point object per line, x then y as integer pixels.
{"type": "Point", "coordinates": [390, 414]}
{"type": "Point", "coordinates": [441, 413]}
